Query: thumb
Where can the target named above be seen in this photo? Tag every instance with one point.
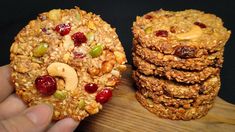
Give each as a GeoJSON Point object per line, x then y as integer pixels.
{"type": "Point", "coordinates": [36, 118]}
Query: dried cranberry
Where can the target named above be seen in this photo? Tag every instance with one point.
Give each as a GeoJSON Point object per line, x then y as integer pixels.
{"type": "Point", "coordinates": [161, 33]}
{"type": "Point", "coordinates": [44, 30]}
{"type": "Point", "coordinates": [201, 25]}
{"type": "Point", "coordinates": [103, 96]}
{"type": "Point", "coordinates": [79, 38]}
{"type": "Point", "coordinates": [91, 87]}
{"type": "Point", "coordinates": [148, 17]}
{"type": "Point", "coordinates": [63, 29]}
{"type": "Point", "coordinates": [46, 85]}
{"type": "Point", "coordinates": [185, 52]}
{"type": "Point", "coordinates": [78, 55]}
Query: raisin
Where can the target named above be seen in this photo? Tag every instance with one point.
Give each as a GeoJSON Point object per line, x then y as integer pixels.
{"type": "Point", "coordinates": [161, 33]}
{"type": "Point", "coordinates": [201, 25]}
{"type": "Point", "coordinates": [185, 52]}
{"type": "Point", "coordinates": [172, 29]}
{"type": "Point", "coordinates": [148, 17]}
{"type": "Point", "coordinates": [42, 17]}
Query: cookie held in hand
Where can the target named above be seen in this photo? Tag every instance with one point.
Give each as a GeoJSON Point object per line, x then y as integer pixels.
{"type": "Point", "coordinates": [68, 58]}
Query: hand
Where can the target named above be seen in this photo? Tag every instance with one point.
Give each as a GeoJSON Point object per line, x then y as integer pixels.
{"type": "Point", "coordinates": [16, 117]}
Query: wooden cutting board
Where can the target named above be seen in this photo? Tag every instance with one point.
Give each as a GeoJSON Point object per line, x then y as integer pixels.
{"type": "Point", "coordinates": [124, 113]}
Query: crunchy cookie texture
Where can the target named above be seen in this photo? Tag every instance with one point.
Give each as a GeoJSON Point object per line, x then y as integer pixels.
{"type": "Point", "coordinates": [177, 102]}
{"type": "Point", "coordinates": [171, 112]}
{"type": "Point", "coordinates": [69, 59]}
{"type": "Point", "coordinates": [174, 74]}
{"type": "Point", "coordinates": [160, 59]}
{"type": "Point", "coordinates": [186, 34]}
{"type": "Point", "coordinates": [178, 57]}
{"type": "Point", "coordinates": [159, 86]}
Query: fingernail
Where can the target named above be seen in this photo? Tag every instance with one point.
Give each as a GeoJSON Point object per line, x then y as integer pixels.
{"type": "Point", "coordinates": [71, 124]}
{"type": "Point", "coordinates": [40, 114]}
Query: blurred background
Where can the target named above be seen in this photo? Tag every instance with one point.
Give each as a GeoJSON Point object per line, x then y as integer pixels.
{"type": "Point", "coordinates": [15, 14]}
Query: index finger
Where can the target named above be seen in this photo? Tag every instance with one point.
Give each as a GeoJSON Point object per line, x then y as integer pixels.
{"type": "Point", "coordinates": [6, 86]}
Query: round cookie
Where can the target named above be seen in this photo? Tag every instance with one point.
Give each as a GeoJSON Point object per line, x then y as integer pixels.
{"type": "Point", "coordinates": [179, 102]}
{"type": "Point", "coordinates": [159, 59]}
{"type": "Point", "coordinates": [186, 34]}
{"type": "Point", "coordinates": [171, 112]}
{"type": "Point", "coordinates": [173, 89]}
{"type": "Point", "coordinates": [68, 58]}
{"type": "Point", "coordinates": [174, 74]}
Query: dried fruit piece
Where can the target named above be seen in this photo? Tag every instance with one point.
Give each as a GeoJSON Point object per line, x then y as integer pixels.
{"type": "Point", "coordinates": [148, 17]}
{"type": "Point", "coordinates": [81, 104]}
{"type": "Point", "coordinates": [201, 25]}
{"type": "Point", "coordinates": [185, 51]}
{"type": "Point", "coordinates": [40, 50]}
{"type": "Point", "coordinates": [46, 85]}
{"type": "Point", "coordinates": [79, 38]}
{"type": "Point", "coordinates": [78, 55]}
{"type": "Point", "coordinates": [96, 51]}
{"type": "Point", "coordinates": [91, 87]}
{"type": "Point", "coordinates": [63, 29]}
{"type": "Point", "coordinates": [60, 95]}
{"type": "Point", "coordinates": [161, 33]}
{"type": "Point", "coordinates": [173, 29]}
{"type": "Point", "coordinates": [103, 96]}
{"type": "Point", "coordinates": [44, 30]}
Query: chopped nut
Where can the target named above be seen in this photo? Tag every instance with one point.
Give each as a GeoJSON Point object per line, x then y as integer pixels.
{"type": "Point", "coordinates": [150, 102]}
{"type": "Point", "coordinates": [148, 30]}
{"type": "Point", "coordinates": [195, 32]}
{"type": "Point", "coordinates": [65, 71]}
{"type": "Point", "coordinates": [90, 36]}
{"type": "Point", "coordinates": [107, 66]}
{"type": "Point", "coordinates": [60, 95]}
{"type": "Point", "coordinates": [92, 108]}
{"type": "Point", "coordinates": [93, 71]}
{"type": "Point", "coordinates": [91, 25]}
{"type": "Point", "coordinates": [40, 50]}
{"type": "Point", "coordinates": [81, 104]}
{"type": "Point", "coordinates": [120, 57]}
{"type": "Point", "coordinates": [54, 14]}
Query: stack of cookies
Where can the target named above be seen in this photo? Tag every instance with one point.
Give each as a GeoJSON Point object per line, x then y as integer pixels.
{"type": "Point", "coordinates": [178, 57]}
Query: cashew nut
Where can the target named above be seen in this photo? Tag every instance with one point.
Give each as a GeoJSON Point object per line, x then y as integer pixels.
{"type": "Point", "coordinates": [65, 71]}
{"type": "Point", "coordinates": [195, 32]}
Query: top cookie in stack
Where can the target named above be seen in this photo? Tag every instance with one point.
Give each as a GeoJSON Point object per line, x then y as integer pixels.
{"type": "Point", "coordinates": [184, 50]}
{"type": "Point", "coordinates": [189, 34]}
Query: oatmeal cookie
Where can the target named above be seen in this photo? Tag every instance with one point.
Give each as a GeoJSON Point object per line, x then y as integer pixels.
{"type": "Point", "coordinates": [159, 59]}
{"type": "Point", "coordinates": [68, 58]}
{"type": "Point", "coordinates": [174, 74]}
{"type": "Point", "coordinates": [179, 102]}
{"type": "Point", "coordinates": [186, 34]}
{"type": "Point", "coordinates": [160, 86]}
{"type": "Point", "coordinates": [171, 112]}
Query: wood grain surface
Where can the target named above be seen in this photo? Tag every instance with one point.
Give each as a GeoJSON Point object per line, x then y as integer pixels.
{"type": "Point", "coordinates": [124, 113]}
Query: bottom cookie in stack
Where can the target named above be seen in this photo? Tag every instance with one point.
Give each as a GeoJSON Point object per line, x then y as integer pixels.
{"type": "Point", "coordinates": [174, 100]}
{"type": "Point", "coordinates": [172, 112]}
